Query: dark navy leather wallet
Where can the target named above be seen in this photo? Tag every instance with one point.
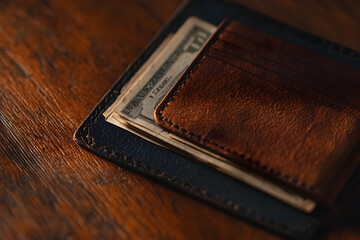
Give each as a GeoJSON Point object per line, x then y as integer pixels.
{"type": "Point", "coordinates": [202, 182]}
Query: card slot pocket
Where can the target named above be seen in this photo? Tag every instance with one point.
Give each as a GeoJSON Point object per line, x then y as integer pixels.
{"type": "Point", "coordinates": [290, 49]}
{"type": "Point", "coordinates": [270, 57]}
{"type": "Point", "coordinates": [282, 58]}
{"type": "Point", "coordinates": [326, 83]}
{"type": "Point", "coordinates": [297, 83]}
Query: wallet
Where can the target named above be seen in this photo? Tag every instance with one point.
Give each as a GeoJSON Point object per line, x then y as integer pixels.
{"type": "Point", "coordinates": [207, 184]}
{"type": "Point", "coordinates": [273, 106]}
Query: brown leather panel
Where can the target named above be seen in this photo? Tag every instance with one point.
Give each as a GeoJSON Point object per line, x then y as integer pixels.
{"type": "Point", "coordinates": [264, 114]}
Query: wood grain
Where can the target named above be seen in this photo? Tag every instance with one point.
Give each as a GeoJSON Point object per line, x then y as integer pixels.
{"type": "Point", "coordinates": [57, 59]}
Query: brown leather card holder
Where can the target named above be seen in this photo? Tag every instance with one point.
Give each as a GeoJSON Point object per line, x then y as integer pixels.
{"type": "Point", "coordinates": [274, 107]}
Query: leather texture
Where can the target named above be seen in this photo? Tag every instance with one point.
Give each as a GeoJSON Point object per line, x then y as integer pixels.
{"type": "Point", "coordinates": [188, 176]}
{"type": "Point", "coordinates": [268, 104]}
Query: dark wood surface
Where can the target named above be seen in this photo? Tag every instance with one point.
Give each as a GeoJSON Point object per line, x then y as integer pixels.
{"type": "Point", "coordinates": [57, 59]}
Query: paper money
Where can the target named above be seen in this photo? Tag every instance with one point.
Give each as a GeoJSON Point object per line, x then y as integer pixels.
{"type": "Point", "coordinates": [136, 105]}
{"type": "Point", "coordinates": [134, 108]}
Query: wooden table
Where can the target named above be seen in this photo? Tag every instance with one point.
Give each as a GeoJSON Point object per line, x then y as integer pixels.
{"type": "Point", "coordinates": [57, 59]}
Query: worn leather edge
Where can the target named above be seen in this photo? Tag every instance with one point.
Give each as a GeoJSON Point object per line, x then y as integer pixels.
{"type": "Point", "coordinates": [83, 138]}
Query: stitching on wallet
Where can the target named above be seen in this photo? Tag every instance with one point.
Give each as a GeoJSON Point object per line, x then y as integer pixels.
{"type": "Point", "coordinates": [266, 168]}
